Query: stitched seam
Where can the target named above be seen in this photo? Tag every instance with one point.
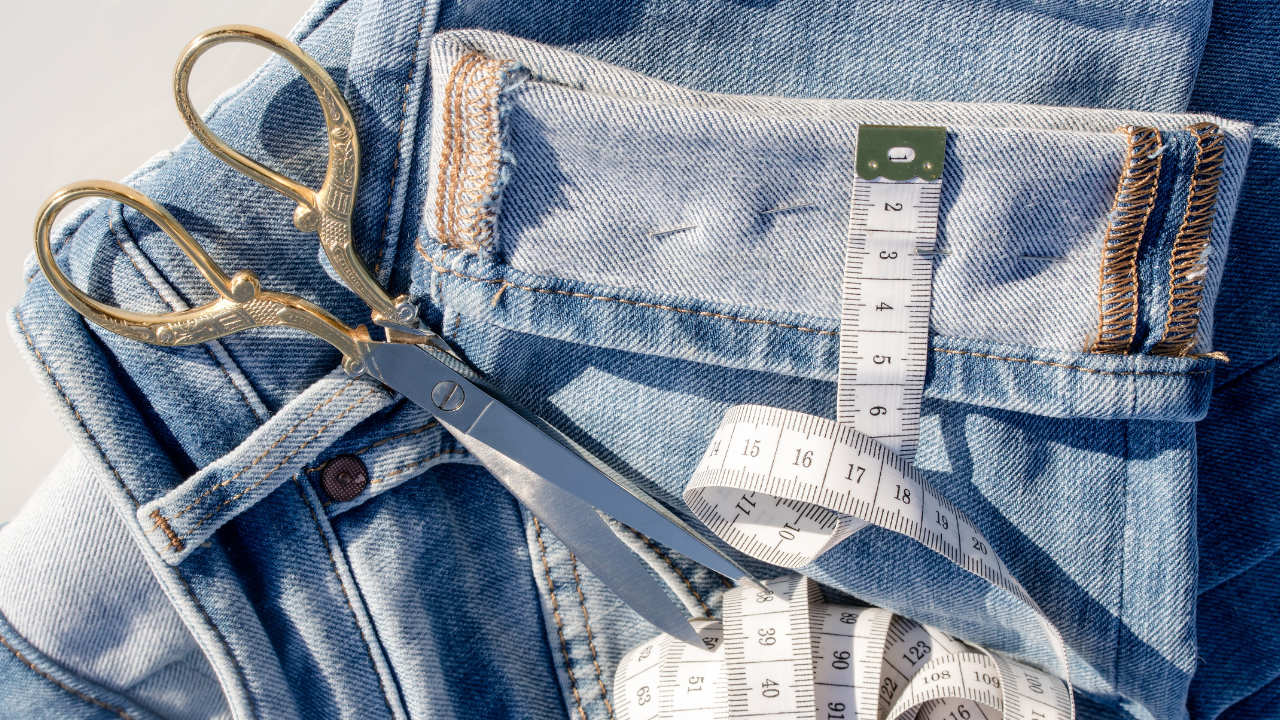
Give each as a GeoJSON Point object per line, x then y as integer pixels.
{"type": "Point", "coordinates": [203, 346]}
{"type": "Point", "coordinates": [384, 441]}
{"type": "Point", "coordinates": [636, 303]}
{"type": "Point", "coordinates": [465, 164]}
{"type": "Point", "coordinates": [679, 572]}
{"type": "Point", "coordinates": [1134, 373]}
{"type": "Point", "coordinates": [1186, 267]}
{"type": "Point", "coordinates": [555, 606]}
{"type": "Point", "coordinates": [235, 662]}
{"type": "Point", "coordinates": [395, 162]}
{"type": "Point", "coordinates": [449, 174]}
{"type": "Point", "coordinates": [586, 619]}
{"type": "Point", "coordinates": [481, 173]}
{"type": "Point", "coordinates": [67, 399]}
{"type": "Point", "coordinates": [333, 565]}
{"type": "Point", "coordinates": [470, 177]}
{"type": "Point", "coordinates": [405, 468]}
{"type": "Point", "coordinates": [1126, 224]}
{"type": "Point", "coordinates": [266, 452]}
{"type": "Point", "coordinates": [1124, 547]}
{"type": "Point", "coordinates": [286, 459]}
{"type": "Point", "coordinates": [134, 499]}
{"type": "Point", "coordinates": [174, 541]}
{"type": "Point", "coordinates": [447, 145]}
{"type": "Point", "coordinates": [55, 681]}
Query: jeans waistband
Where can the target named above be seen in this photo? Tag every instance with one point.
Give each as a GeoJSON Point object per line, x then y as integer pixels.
{"type": "Point", "coordinates": [1060, 229]}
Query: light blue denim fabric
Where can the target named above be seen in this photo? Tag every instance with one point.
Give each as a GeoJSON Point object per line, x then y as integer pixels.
{"type": "Point", "coordinates": [433, 594]}
{"type": "Point", "coordinates": [1025, 197]}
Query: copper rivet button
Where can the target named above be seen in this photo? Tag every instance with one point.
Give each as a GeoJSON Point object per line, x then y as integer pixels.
{"type": "Point", "coordinates": [343, 478]}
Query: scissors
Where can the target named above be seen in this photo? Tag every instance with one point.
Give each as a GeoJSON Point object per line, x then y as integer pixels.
{"type": "Point", "coordinates": [561, 483]}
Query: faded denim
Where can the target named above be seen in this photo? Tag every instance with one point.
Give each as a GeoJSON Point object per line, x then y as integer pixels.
{"type": "Point", "coordinates": [433, 594]}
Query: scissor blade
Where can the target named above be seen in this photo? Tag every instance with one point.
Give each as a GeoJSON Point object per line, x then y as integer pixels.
{"type": "Point", "coordinates": [416, 373]}
{"type": "Point", "coordinates": [581, 528]}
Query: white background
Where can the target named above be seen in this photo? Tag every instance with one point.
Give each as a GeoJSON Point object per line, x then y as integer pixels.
{"type": "Point", "coordinates": [87, 94]}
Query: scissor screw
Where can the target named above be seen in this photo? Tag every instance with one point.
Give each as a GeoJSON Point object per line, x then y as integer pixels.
{"type": "Point", "coordinates": [447, 395]}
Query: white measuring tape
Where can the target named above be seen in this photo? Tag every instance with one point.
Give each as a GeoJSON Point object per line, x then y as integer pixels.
{"type": "Point", "coordinates": [888, 276]}
{"type": "Point", "coordinates": [667, 678]}
{"type": "Point", "coordinates": [783, 653]}
{"type": "Point", "coordinates": [785, 487]}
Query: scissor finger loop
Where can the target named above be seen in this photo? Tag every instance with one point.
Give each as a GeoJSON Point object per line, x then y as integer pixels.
{"type": "Point", "coordinates": [242, 302]}
{"type": "Point", "coordinates": [327, 211]}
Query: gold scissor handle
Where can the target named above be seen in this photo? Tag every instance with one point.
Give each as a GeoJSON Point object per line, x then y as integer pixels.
{"type": "Point", "coordinates": [243, 303]}
{"type": "Point", "coordinates": [328, 211]}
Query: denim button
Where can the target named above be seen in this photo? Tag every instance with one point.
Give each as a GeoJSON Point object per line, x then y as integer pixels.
{"type": "Point", "coordinates": [344, 477]}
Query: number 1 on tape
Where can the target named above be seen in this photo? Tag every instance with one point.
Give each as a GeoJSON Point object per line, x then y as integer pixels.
{"type": "Point", "coordinates": [884, 323]}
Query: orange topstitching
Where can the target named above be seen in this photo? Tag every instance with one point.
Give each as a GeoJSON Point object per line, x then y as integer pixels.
{"type": "Point", "coordinates": [1070, 367]}
{"type": "Point", "coordinates": [258, 459]}
{"type": "Point", "coordinates": [591, 643]}
{"type": "Point", "coordinates": [1118, 274]}
{"type": "Point", "coordinates": [1186, 266]}
{"type": "Point", "coordinates": [55, 681]}
{"type": "Point", "coordinates": [555, 607]}
{"type": "Point", "coordinates": [284, 460]}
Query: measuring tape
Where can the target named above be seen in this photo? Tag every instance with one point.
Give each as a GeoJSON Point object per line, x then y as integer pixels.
{"type": "Point", "coordinates": [888, 279]}
{"type": "Point", "coordinates": [785, 487]}
{"type": "Point", "coordinates": [668, 678]}
{"type": "Point", "coordinates": [783, 653]}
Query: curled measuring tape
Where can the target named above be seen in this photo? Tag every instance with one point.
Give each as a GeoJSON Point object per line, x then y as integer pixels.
{"type": "Point", "coordinates": [785, 487]}
{"type": "Point", "coordinates": [783, 653]}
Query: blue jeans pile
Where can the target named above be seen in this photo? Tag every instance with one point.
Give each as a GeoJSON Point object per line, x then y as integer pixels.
{"type": "Point", "coordinates": [1130, 488]}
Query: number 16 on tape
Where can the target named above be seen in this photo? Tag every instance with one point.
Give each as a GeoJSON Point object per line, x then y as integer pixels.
{"type": "Point", "coordinates": [884, 323]}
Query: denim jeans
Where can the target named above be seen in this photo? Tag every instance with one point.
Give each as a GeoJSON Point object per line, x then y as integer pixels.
{"type": "Point", "coordinates": [432, 593]}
